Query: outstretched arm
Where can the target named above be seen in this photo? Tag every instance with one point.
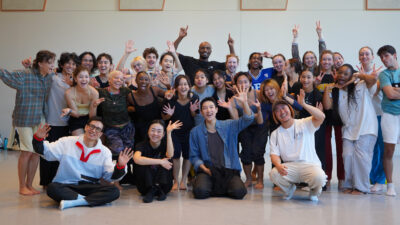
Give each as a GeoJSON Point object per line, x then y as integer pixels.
{"type": "Point", "coordinates": [182, 34]}
{"type": "Point", "coordinates": [231, 44]}
{"type": "Point", "coordinates": [178, 65]}
{"type": "Point", "coordinates": [129, 48]}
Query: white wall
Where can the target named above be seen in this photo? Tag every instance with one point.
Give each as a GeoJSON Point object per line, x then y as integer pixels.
{"type": "Point", "coordinates": [97, 25]}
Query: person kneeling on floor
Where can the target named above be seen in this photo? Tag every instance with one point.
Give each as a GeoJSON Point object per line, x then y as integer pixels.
{"type": "Point", "coordinates": [293, 143]}
{"type": "Point", "coordinates": [84, 161]}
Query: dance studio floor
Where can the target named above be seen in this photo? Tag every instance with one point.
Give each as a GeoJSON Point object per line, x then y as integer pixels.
{"type": "Point", "coordinates": [258, 207]}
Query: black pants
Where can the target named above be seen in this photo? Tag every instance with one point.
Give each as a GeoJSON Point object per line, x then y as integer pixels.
{"type": "Point", "coordinates": [48, 169]}
{"type": "Point", "coordinates": [96, 194]}
{"type": "Point", "coordinates": [253, 139]}
{"type": "Point", "coordinates": [147, 177]}
{"type": "Point", "coordinates": [203, 187]}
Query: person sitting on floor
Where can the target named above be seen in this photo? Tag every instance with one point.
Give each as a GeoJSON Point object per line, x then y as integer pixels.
{"type": "Point", "coordinates": [213, 151]}
{"type": "Point", "coordinates": [84, 161]}
{"type": "Point", "coordinates": [293, 143]}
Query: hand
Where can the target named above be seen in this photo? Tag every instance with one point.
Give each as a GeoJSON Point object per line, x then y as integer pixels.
{"type": "Point", "coordinates": [68, 80]}
{"type": "Point", "coordinates": [195, 106]}
{"type": "Point", "coordinates": [320, 106]}
{"type": "Point", "coordinates": [168, 110]}
{"type": "Point", "coordinates": [27, 63]}
{"type": "Point", "coordinates": [126, 71]}
{"type": "Point", "coordinates": [375, 72]}
{"type": "Point", "coordinates": [43, 131]}
{"type": "Point", "coordinates": [124, 157]}
{"type": "Point", "coordinates": [231, 42]}
{"type": "Point", "coordinates": [318, 79]}
{"type": "Point", "coordinates": [300, 97]}
{"type": "Point", "coordinates": [169, 94]}
{"type": "Point", "coordinates": [97, 102]}
{"type": "Point", "coordinates": [171, 47]}
{"type": "Point", "coordinates": [230, 86]}
{"type": "Point", "coordinates": [267, 55]}
{"type": "Point", "coordinates": [295, 31]}
{"type": "Point", "coordinates": [318, 28]}
{"type": "Point", "coordinates": [166, 163]}
{"type": "Point", "coordinates": [282, 170]}
{"type": "Point", "coordinates": [93, 82]}
{"type": "Point", "coordinates": [224, 104]}
{"type": "Point", "coordinates": [284, 88]}
{"type": "Point", "coordinates": [174, 126]}
{"type": "Point", "coordinates": [65, 112]}
{"type": "Point", "coordinates": [164, 79]}
{"type": "Point", "coordinates": [207, 171]}
{"type": "Point", "coordinates": [257, 104]}
{"type": "Point", "coordinates": [241, 95]}
{"type": "Point", "coordinates": [183, 31]}
{"type": "Point", "coordinates": [129, 47]}
{"type": "Point", "coordinates": [329, 87]}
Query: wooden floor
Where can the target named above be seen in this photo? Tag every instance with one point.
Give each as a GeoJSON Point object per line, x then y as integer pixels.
{"type": "Point", "coordinates": [258, 207]}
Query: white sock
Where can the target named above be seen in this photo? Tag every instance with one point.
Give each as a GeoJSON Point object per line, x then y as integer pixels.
{"type": "Point", "coordinates": [80, 201]}
{"type": "Point", "coordinates": [390, 190]}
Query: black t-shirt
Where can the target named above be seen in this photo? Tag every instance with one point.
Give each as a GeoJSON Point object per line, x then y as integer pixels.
{"type": "Point", "coordinates": [182, 113]}
{"type": "Point", "coordinates": [223, 113]}
{"type": "Point", "coordinates": [311, 98]}
{"type": "Point", "coordinates": [190, 65]}
{"type": "Point", "coordinates": [114, 109]}
{"type": "Point", "coordinates": [216, 149]}
{"type": "Point", "coordinates": [147, 151]}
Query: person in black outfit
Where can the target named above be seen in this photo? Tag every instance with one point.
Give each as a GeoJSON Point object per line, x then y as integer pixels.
{"type": "Point", "coordinates": [152, 158]}
{"type": "Point", "coordinates": [191, 65]}
{"type": "Point", "coordinates": [221, 94]}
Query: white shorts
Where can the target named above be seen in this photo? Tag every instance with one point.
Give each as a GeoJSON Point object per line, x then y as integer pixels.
{"type": "Point", "coordinates": [390, 125]}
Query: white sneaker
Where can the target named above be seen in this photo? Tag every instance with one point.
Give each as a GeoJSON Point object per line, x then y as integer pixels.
{"type": "Point", "coordinates": [390, 190]}
{"type": "Point", "coordinates": [290, 193]}
{"type": "Point", "coordinates": [314, 198]}
{"type": "Point", "coordinates": [377, 187]}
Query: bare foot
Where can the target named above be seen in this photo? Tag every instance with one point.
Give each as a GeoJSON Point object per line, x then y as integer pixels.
{"type": "Point", "coordinates": [34, 191]}
{"type": "Point", "coordinates": [175, 186]}
{"type": "Point", "coordinates": [259, 186]}
{"type": "Point", "coordinates": [116, 184]}
{"type": "Point", "coordinates": [25, 191]}
{"type": "Point", "coordinates": [277, 188]}
{"type": "Point", "coordinates": [248, 183]}
{"type": "Point", "coordinates": [183, 185]}
{"type": "Point", "coordinates": [347, 191]}
{"type": "Point", "coordinates": [340, 184]}
{"type": "Point", "coordinates": [356, 192]}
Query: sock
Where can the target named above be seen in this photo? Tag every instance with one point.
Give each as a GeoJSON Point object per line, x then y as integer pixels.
{"type": "Point", "coordinates": [80, 201]}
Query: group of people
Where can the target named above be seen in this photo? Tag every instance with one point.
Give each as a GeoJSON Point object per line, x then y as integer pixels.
{"type": "Point", "coordinates": [79, 122]}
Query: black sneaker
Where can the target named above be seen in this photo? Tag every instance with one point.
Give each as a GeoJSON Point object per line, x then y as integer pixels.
{"type": "Point", "coordinates": [149, 196]}
{"type": "Point", "coordinates": [161, 195]}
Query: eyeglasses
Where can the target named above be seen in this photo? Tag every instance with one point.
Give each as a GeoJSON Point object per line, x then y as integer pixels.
{"type": "Point", "coordinates": [93, 127]}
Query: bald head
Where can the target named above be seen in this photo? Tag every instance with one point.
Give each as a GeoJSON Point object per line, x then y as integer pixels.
{"type": "Point", "coordinates": [204, 51]}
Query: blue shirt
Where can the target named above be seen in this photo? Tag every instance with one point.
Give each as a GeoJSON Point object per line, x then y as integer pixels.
{"type": "Point", "coordinates": [228, 130]}
{"type": "Point", "coordinates": [264, 74]}
{"type": "Point", "coordinates": [387, 78]}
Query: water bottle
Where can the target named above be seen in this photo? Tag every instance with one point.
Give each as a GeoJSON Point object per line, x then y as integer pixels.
{"type": "Point", "coordinates": [5, 143]}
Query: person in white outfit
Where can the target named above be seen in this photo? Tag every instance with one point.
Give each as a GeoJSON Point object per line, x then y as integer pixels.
{"type": "Point", "coordinates": [292, 149]}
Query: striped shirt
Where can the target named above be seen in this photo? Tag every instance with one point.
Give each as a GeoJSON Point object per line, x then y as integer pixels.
{"type": "Point", "coordinates": [32, 93]}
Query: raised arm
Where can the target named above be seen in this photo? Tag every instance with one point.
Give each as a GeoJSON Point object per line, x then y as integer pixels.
{"type": "Point", "coordinates": [170, 145]}
{"type": "Point", "coordinates": [182, 34]}
{"type": "Point", "coordinates": [231, 44]}
{"type": "Point", "coordinates": [178, 65]}
{"type": "Point", "coordinates": [317, 115]}
{"type": "Point", "coordinates": [129, 48]}
{"type": "Point", "coordinates": [295, 46]}
{"type": "Point", "coordinates": [321, 42]}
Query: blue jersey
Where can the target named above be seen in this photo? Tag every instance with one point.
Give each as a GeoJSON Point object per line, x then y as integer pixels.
{"type": "Point", "coordinates": [264, 74]}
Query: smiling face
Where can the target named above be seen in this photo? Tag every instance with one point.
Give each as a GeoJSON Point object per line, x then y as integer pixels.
{"type": "Point", "coordinates": [138, 66]}
{"type": "Point", "coordinates": [156, 133]}
{"type": "Point", "coordinates": [218, 81]}
{"type": "Point", "coordinates": [200, 79]}
{"type": "Point", "coordinates": [279, 63]}
{"type": "Point", "coordinates": [209, 111]}
{"type": "Point", "coordinates": [255, 61]}
{"type": "Point", "coordinates": [151, 60]}
{"type": "Point", "coordinates": [365, 56]}
{"type": "Point", "coordinates": [93, 130]}
{"type": "Point", "coordinates": [271, 93]}
{"type": "Point", "coordinates": [87, 62]}
{"type": "Point", "coordinates": [116, 80]}
{"type": "Point", "coordinates": [243, 82]}
{"type": "Point", "coordinates": [326, 62]}
{"type": "Point", "coordinates": [46, 67]}
{"type": "Point", "coordinates": [310, 60]}
{"type": "Point", "coordinates": [167, 63]}
{"type": "Point", "coordinates": [343, 75]}
{"type": "Point", "coordinates": [183, 87]}
{"type": "Point", "coordinates": [204, 50]}
{"type": "Point", "coordinates": [282, 113]}
{"type": "Point", "coordinates": [69, 67]}
{"type": "Point", "coordinates": [82, 79]}
{"type": "Point", "coordinates": [104, 65]}
{"type": "Point", "coordinates": [232, 64]}
{"type": "Point", "coordinates": [143, 81]}
{"type": "Point", "coordinates": [307, 80]}
{"type": "Point", "coordinates": [337, 60]}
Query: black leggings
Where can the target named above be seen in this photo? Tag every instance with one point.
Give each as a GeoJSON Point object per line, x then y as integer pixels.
{"type": "Point", "coordinates": [203, 187]}
{"type": "Point", "coordinates": [147, 177]}
{"type": "Point", "coordinates": [96, 194]}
